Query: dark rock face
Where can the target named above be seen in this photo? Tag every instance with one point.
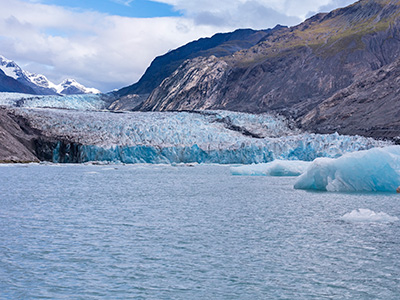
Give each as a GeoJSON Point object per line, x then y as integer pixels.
{"type": "Point", "coordinates": [274, 84]}
{"type": "Point", "coordinates": [16, 139]}
{"type": "Point", "coordinates": [128, 102]}
{"type": "Point", "coordinates": [369, 107]}
{"type": "Point", "coordinates": [295, 70]}
{"type": "Point", "coordinates": [190, 87]}
{"type": "Point", "coordinates": [20, 143]}
{"type": "Point", "coordinates": [71, 90]}
{"type": "Point", "coordinates": [9, 84]}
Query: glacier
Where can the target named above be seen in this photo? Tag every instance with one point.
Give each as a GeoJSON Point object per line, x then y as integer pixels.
{"type": "Point", "coordinates": [273, 168]}
{"type": "Point", "coordinates": [75, 102]}
{"type": "Point", "coordinates": [79, 128]}
{"type": "Point", "coordinates": [220, 137]}
{"type": "Point", "coordinates": [373, 170]}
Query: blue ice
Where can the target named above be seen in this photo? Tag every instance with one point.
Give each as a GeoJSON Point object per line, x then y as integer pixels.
{"type": "Point", "coordinates": [374, 170]}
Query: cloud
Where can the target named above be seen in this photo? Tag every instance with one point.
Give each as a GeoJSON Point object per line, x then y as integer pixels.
{"type": "Point", "coordinates": [253, 12]}
{"type": "Point", "coordinates": [108, 52]}
{"type": "Point", "coordinates": [335, 4]}
{"type": "Point", "coordinates": [247, 14]}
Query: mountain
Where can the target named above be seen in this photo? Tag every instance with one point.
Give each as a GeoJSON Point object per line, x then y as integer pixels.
{"type": "Point", "coordinates": [9, 84]}
{"type": "Point", "coordinates": [302, 71]}
{"type": "Point", "coordinates": [219, 45]}
{"type": "Point", "coordinates": [71, 87]}
{"type": "Point", "coordinates": [15, 79]}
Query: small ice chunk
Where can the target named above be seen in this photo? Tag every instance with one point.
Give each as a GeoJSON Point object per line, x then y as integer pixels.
{"type": "Point", "coordinates": [274, 168]}
{"type": "Point", "coordinates": [367, 215]}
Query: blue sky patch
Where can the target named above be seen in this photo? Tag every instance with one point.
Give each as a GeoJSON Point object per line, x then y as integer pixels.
{"type": "Point", "coordinates": [135, 8]}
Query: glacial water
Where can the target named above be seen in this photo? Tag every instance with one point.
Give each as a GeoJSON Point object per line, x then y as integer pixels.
{"type": "Point", "coordinates": [180, 232]}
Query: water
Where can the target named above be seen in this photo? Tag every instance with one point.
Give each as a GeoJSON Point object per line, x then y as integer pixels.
{"type": "Point", "coordinates": [164, 232]}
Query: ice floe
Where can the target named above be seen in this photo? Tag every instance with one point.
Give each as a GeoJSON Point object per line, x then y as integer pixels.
{"type": "Point", "coordinates": [274, 168]}
{"type": "Point", "coordinates": [367, 215]}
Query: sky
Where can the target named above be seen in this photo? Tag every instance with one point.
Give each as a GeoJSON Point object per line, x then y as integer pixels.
{"type": "Point", "coordinates": [108, 44]}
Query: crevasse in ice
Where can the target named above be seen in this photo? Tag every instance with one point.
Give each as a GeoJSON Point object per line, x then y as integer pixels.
{"type": "Point", "coordinates": [376, 169]}
{"type": "Point", "coordinates": [174, 137]}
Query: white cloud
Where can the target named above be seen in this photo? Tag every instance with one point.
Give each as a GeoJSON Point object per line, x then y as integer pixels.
{"type": "Point", "coordinates": [239, 9]}
{"type": "Point", "coordinates": [109, 52]}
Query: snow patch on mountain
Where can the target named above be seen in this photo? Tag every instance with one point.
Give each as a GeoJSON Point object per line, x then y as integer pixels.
{"type": "Point", "coordinates": [10, 68]}
{"type": "Point", "coordinates": [72, 87]}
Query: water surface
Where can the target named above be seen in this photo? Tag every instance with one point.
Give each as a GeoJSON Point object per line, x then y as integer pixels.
{"type": "Point", "coordinates": [164, 232]}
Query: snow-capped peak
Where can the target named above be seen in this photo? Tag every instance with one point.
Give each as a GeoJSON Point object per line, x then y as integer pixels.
{"type": "Point", "coordinates": [40, 83]}
{"type": "Point", "coordinates": [39, 80]}
{"type": "Point", "coordinates": [71, 86]}
{"type": "Point", "coordinates": [10, 68]}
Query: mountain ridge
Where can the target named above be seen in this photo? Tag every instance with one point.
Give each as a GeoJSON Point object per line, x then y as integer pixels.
{"type": "Point", "coordinates": [36, 83]}
{"type": "Point", "coordinates": [220, 44]}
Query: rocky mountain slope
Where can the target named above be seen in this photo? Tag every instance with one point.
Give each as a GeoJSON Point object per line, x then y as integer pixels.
{"type": "Point", "coordinates": [300, 71]}
{"type": "Point", "coordinates": [17, 142]}
{"type": "Point", "coordinates": [369, 107]}
{"type": "Point", "coordinates": [219, 45]}
{"type": "Point", "coordinates": [14, 79]}
{"type": "Point", "coordinates": [9, 84]}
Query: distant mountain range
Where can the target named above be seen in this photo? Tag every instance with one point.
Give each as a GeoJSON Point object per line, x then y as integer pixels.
{"type": "Point", "coordinates": [14, 79]}
{"type": "Point", "coordinates": [336, 71]}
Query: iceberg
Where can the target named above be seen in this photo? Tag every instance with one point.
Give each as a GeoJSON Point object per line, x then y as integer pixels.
{"type": "Point", "coordinates": [274, 168]}
{"type": "Point", "coordinates": [367, 215]}
{"type": "Point", "coordinates": [374, 170]}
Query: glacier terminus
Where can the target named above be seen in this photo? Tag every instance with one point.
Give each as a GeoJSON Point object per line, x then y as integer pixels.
{"type": "Point", "coordinates": [79, 129]}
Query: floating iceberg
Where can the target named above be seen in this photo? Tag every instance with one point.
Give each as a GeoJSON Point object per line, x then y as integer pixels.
{"type": "Point", "coordinates": [274, 168]}
{"type": "Point", "coordinates": [377, 169]}
{"type": "Point", "coordinates": [366, 215]}
{"type": "Point", "coordinates": [181, 137]}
